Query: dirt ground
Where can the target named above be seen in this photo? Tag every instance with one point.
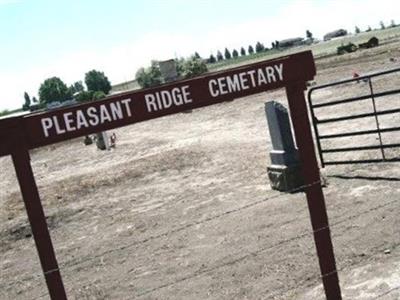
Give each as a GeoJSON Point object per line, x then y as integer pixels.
{"type": "Point", "coordinates": [182, 208]}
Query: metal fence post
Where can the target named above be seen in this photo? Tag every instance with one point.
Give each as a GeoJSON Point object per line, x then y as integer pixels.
{"type": "Point", "coordinates": [376, 117]}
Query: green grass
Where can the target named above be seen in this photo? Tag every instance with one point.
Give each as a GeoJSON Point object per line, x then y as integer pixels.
{"type": "Point", "coordinates": [320, 49]}
{"type": "Point", "coordinates": [9, 112]}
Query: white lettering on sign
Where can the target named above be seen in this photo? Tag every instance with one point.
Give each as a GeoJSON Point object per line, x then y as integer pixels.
{"type": "Point", "coordinates": [167, 98]}
{"type": "Point", "coordinates": [245, 80]}
{"type": "Point", "coordinates": [85, 118]}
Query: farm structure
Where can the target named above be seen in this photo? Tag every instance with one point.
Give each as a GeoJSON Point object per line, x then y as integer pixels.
{"type": "Point", "coordinates": [334, 34]}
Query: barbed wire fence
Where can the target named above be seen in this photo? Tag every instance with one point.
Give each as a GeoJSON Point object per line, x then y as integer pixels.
{"type": "Point", "coordinates": [74, 263]}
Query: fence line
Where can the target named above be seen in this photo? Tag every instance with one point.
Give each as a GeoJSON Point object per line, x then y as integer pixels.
{"type": "Point", "coordinates": [73, 263]}
{"type": "Point", "coordinates": [76, 262]}
{"type": "Point", "coordinates": [227, 263]}
{"type": "Point", "coordinates": [387, 292]}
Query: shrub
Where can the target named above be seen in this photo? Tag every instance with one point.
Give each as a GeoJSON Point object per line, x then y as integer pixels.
{"type": "Point", "coordinates": [235, 54]}
{"type": "Point", "coordinates": [250, 50]}
{"type": "Point", "coordinates": [259, 47]}
{"type": "Point", "coordinates": [220, 56]}
{"type": "Point", "coordinates": [227, 54]}
{"type": "Point", "coordinates": [97, 81]}
{"type": "Point", "coordinates": [150, 76]}
{"type": "Point", "coordinates": [193, 67]}
{"type": "Point", "coordinates": [53, 89]}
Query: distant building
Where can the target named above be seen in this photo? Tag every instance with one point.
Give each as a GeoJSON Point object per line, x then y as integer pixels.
{"type": "Point", "coordinates": [168, 70]}
{"type": "Point", "coordinates": [291, 42]}
{"type": "Point", "coordinates": [333, 34]}
{"type": "Point", "coordinates": [124, 86]}
{"type": "Point", "coordinates": [58, 104]}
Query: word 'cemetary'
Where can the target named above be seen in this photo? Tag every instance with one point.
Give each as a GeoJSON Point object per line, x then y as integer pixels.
{"type": "Point", "coordinates": [20, 134]}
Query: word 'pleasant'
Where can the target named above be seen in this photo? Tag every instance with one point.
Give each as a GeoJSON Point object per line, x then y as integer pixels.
{"type": "Point", "coordinates": [87, 117]}
{"type": "Point", "coordinates": [245, 80]}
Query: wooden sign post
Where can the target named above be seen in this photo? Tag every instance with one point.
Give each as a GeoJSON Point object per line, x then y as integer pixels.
{"type": "Point", "coordinates": [35, 130]}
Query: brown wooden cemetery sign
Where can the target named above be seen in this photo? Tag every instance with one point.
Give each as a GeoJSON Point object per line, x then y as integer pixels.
{"type": "Point", "coordinates": [20, 134]}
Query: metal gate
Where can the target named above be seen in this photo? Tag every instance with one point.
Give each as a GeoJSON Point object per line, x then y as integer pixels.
{"type": "Point", "coordinates": [367, 100]}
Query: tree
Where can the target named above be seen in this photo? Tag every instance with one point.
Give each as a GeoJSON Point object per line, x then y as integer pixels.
{"type": "Point", "coordinates": [357, 30]}
{"type": "Point", "coordinates": [53, 89]}
{"type": "Point", "coordinates": [368, 29]}
{"type": "Point", "coordinates": [34, 100]}
{"type": "Point", "coordinates": [273, 45]}
{"type": "Point", "coordinates": [220, 56]}
{"type": "Point", "coordinates": [382, 25]}
{"type": "Point", "coordinates": [98, 95]}
{"type": "Point", "coordinates": [242, 51]}
{"type": "Point", "coordinates": [235, 54]}
{"type": "Point", "coordinates": [309, 35]}
{"type": "Point", "coordinates": [227, 54]}
{"type": "Point", "coordinates": [212, 59]}
{"type": "Point", "coordinates": [150, 76]}
{"type": "Point", "coordinates": [84, 96]}
{"type": "Point", "coordinates": [77, 87]}
{"type": "Point", "coordinates": [27, 103]}
{"type": "Point", "coordinates": [97, 81]}
{"type": "Point", "coordinates": [259, 47]}
{"type": "Point", "coordinates": [197, 55]}
{"type": "Point", "coordinates": [193, 67]}
{"type": "Point", "coordinates": [392, 23]}
{"type": "Point", "coordinates": [250, 50]}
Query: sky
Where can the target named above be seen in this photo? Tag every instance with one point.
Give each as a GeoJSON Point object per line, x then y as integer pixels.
{"type": "Point", "coordinates": [45, 38]}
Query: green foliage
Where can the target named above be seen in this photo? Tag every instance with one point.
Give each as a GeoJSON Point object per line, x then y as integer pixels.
{"type": "Point", "coordinates": [97, 81]}
{"type": "Point", "coordinates": [212, 59]}
{"type": "Point", "coordinates": [250, 50]}
{"type": "Point", "coordinates": [309, 35]}
{"type": "Point", "coordinates": [150, 76]}
{"type": "Point", "coordinates": [197, 55]}
{"type": "Point", "coordinates": [193, 67]}
{"type": "Point", "coordinates": [220, 56]}
{"type": "Point", "coordinates": [4, 112]}
{"type": "Point", "coordinates": [179, 65]}
{"type": "Point", "coordinates": [368, 29]}
{"type": "Point", "coordinates": [98, 95]}
{"type": "Point", "coordinates": [357, 30]}
{"type": "Point", "coordinates": [34, 100]}
{"type": "Point", "coordinates": [242, 51]}
{"type": "Point", "coordinates": [235, 54]}
{"type": "Point", "coordinates": [392, 23]}
{"type": "Point", "coordinates": [77, 87]}
{"type": "Point", "coordinates": [84, 96]}
{"type": "Point", "coordinates": [259, 47]}
{"type": "Point", "coordinates": [53, 89]}
{"type": "Point", "coordinates": [27, 103]}
{"type": "Point", "coordinates": [382, 25]}
{"type": "Point", "coordinates": [227, 54]}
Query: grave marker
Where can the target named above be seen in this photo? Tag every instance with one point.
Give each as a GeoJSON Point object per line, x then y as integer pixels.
{"type": "Point", "coordinates": [284, 172]}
